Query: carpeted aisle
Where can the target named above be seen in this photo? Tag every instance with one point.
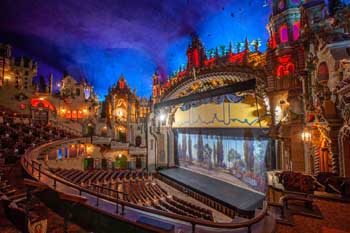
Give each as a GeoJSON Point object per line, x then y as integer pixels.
{"type": "Point", "coordinates": [336, 220]}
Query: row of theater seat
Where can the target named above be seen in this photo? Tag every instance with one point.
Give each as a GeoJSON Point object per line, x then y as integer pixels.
{"type": "Point", "coordinates": [137, 187]}
{"type": "Point", "coordinates": [8, 190]}
{"type": "Point", "coordinates": [100, 177]}
{"type": "Point", "coordinates": [16, 208]}
{"type": "Point", "coordinates": [16, 138]}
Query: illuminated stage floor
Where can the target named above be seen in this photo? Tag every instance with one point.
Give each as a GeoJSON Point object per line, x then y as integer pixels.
{"type": "Point", "coordinates": [230, 194]}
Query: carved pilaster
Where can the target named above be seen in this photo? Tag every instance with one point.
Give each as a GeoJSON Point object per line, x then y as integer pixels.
{"type": "Point", "coordinates": [334, 127]}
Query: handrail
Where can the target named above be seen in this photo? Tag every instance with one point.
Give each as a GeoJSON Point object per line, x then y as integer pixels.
{"type": "Point", "coordinates": [26, 163]}
{"type": "Point", "coordinates": [109, 189]}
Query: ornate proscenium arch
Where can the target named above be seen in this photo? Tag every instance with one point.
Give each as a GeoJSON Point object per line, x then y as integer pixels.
{"type": "Point", "coordinates": [229, 89]}
{"type": "Point", "coordinates": [211, 98]}
{"type": "Point", "coordinates": [204, 83]}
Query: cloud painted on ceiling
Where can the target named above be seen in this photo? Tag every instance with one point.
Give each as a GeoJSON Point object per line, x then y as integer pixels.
{"type": "Point", "coordinates": [99, 40]}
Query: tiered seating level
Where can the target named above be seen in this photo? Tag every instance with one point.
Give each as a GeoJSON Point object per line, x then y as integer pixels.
{"type": "Point", "coordinates": [7, 189]}
{"type": "Point", "coordinates": [16, 138]}
{"type": "Point", "coordinates": [139, 188]}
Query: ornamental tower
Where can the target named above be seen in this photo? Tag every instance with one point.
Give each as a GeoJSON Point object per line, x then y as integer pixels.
{"type": "Point", "coordinates": [285, 52]}
{"type": "Point", "coordinates": [195, 53]}
{"type": "Point", "coordinates": [286, 69]}
{"type": "Point", "coordinates": [156, 88]}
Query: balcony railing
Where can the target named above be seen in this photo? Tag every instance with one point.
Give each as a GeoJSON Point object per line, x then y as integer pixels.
{"type": "Point", "coordinates": [39, 172]}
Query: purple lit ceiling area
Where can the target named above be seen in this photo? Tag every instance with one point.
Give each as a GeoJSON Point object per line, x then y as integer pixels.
{"type": "Point", "coordinates": [99, 40]}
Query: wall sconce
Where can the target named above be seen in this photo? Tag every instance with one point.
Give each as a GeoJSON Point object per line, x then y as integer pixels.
{"type": "Point", "coordinates": [162, 117]}
{"type": "Point", "coordinates": [306, 135]}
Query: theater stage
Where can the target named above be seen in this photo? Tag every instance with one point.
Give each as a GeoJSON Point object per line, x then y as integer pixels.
{"type": "Point", "coordinates": [242, 199]}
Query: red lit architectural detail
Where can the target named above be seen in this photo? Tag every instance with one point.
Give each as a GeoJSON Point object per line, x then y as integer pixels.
{"type": "Point", "coordinates": [167, 84]}
{"type": "Point", "coordinates": [181, 74]}
{"type": "Point", "coordinates": [273, 43]}
{"type": "Point", "coordinates": [80, 114]}
{"type": "Point", "coordinates": [68, 114]}
{"type": "Point", "coordinates": [237, 58]}
{"type": "Point", "coordinates": [286, 67]}
{"type": "Point", "coordinates": [296, 31]}
{"type": "Point", "coordinates": [46, 104]}
{"type": "Point", "coordinates": [283, 34]}
{"type": "Point", "coordinates": [121, 83]}
{"type": "Point", "coordinates": [210, 61]}
{"type": "Point", "coordinates": [74, 114]}
{"type": "Point", "coordinates": [195, 53]}
{"type": "Point", "coordinates": [196, 58]}
{"type": "Point", "coordinates": [22, 106]}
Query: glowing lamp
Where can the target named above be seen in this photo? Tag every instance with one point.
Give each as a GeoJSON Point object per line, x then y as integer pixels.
{"type": "Point", "coordinates": [120, 155]}
{"type": "Point", "coordinates": [306, 136]}
{"type": "Point", "coordinates": [41, 98]}
{"type": "Point", "coordinates": [84, 110]}
{"type": "Point", "coordinates": [162, 117]}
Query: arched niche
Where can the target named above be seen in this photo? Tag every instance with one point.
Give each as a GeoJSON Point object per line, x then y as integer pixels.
{"type": "Point", "coordinates": [323, 73]}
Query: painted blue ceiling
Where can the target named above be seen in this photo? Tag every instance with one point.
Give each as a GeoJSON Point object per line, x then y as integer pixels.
{"type": "Point", "coordinates": [100, 39]}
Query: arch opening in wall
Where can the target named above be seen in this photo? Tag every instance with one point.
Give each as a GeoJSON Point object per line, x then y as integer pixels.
{"type": "Point", "coordinates": [138, 141]}
{"type": "Point", "coordinates": [121, 133]}
{"type": "Point", "coordinates": [283, 33]}
{"type": "Point", "coordinates": [344, 145]}
{"type": "Point", "coordinates": [104, 131]}
{"type": "Point", "coordinates": [296, 31]}
{"type": "Point", "coordinates": [323, 73]}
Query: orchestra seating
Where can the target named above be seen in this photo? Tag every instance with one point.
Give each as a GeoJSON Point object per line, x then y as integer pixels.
{"type": "Point", "coordinates": [139, 188]}
{"type": "Point", "coordinates": [16, 137]}
{"type": "Point", "coordinates": [7, 189]}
